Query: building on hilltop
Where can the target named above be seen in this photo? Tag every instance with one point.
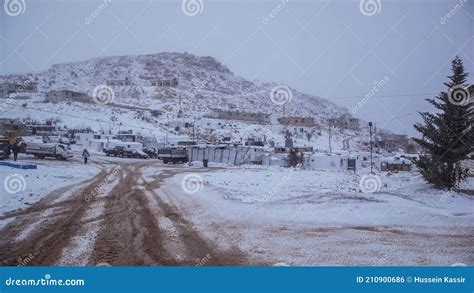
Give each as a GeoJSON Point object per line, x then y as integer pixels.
{"type": "Point", "coordinates": [56, 96]}
{"type": "Point", "coordinates": [345, 121]}
{"type": "Point", "coordinates": [165, 82]}
{"type": "Point", "coordinates": [25, 86]}
{"type": "Point", "coordinates": [394, 142]}
{"type": "Point", "coordinates": [240, 115]}
{"type": "Point", "coordinates": [297, 121]}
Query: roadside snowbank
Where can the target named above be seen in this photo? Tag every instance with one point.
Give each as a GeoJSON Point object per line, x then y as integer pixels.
{"type": "Point", "coordinates": [22, 188]}
{"type": "Point", "coordinates": [278, 194]}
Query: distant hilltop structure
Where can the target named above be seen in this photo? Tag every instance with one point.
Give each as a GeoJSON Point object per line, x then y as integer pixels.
{"type": "Point", "coordinates": [56, 96]}
{"type": "Point", "coordinates": [165, 82]}
{"type": "Point", "coordinates": [240, 115]}
{"type": "Point", "coordinates": [25, 86]}
{"type": "Point", "coordinates": [393, 142]}
{"type": "Point", "coordinates": [345, 121]}
{"type": "Point", "coordinates": [157, 82]}
{"type": "Point", "coordinates": [297, 121]}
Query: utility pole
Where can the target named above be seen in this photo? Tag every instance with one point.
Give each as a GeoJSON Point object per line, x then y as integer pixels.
{"type": "Point", "coordinates": [371, 164]}
{"type": "Point", "coordinates": [194, 123]}
{"type": "Point", "coordinates": [330, 149]}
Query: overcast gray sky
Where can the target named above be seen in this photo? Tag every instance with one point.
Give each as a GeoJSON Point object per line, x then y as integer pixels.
{"type": "Point", "coordinates": [333, 49]}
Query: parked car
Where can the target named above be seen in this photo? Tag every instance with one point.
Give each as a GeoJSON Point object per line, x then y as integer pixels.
{"type": "Point", "coordinates": [151, 152]}
{"type": "Point", "coordinates": [173, 155]}
{"type": "Point", "coordinates": [118, 151]}
{"type": "Point", "coordinates": [56, 150]}
{"type": "Point", "coordinates": [121, 151]}
{"type": "Point", "coordinates": [139, 154]}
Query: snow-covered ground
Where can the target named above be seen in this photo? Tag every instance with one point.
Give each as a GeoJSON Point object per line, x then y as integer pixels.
{"type": "Point", "coordinates": [24, 187]}
{"type": "Point", "coordinates": [261, 215]}
{"type": "Point", "coordinates": [402, 197]}
{"type": "Point", "coordinates": [304, 217]}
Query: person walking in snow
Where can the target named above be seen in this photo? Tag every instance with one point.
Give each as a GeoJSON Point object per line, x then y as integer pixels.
{"type": "Point", "coordinates": [15, 150]}
{"type": "Point", "coordinates": [85, 155]}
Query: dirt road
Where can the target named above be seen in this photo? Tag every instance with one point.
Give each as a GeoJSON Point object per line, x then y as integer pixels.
{"type": "Point", "coordinates": [126, 215]}
{"type": "Point", "coordinates": [115, 218]}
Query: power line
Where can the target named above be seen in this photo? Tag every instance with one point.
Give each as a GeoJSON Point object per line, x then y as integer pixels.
{"type": "Point", "coordinates": [358, 97]}
{"type": "Point", "coordinates": [384, 96]}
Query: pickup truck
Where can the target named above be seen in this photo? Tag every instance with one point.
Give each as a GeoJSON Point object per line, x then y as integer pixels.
{"type": "Point", "coordinates": [120, 151]}
{"type": "Point", "coordinates": [55, 150]}
{"type": "Point", "coordinates": [173, 155]}
{"type": "Point", "coordinates": [5, 148]}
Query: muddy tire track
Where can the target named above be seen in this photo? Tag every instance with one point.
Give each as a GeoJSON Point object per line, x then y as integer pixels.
{"type": "Point", "coordinates": [53, 235]}
{"type": "Point", "coordinates": [132, 235]}
{"type": "Point", "coordinates": [197, 247]}
{"type": "Point", "coordinates": [129, 235]}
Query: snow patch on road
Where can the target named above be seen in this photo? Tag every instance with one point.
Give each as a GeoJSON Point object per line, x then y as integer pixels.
{"type": "Point", "coordinates": [31, 228]}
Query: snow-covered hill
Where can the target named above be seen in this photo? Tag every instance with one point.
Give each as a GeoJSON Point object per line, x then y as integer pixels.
{"type": "Point", "coordinates": [203, 84]}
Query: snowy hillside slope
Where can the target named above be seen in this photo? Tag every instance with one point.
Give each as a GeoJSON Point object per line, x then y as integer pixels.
{"type": "Point", "coordinates": [203, 84]}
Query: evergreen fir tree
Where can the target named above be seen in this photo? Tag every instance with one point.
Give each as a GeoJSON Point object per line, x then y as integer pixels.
{"type": "Point", "coordinates": [448, 134]}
